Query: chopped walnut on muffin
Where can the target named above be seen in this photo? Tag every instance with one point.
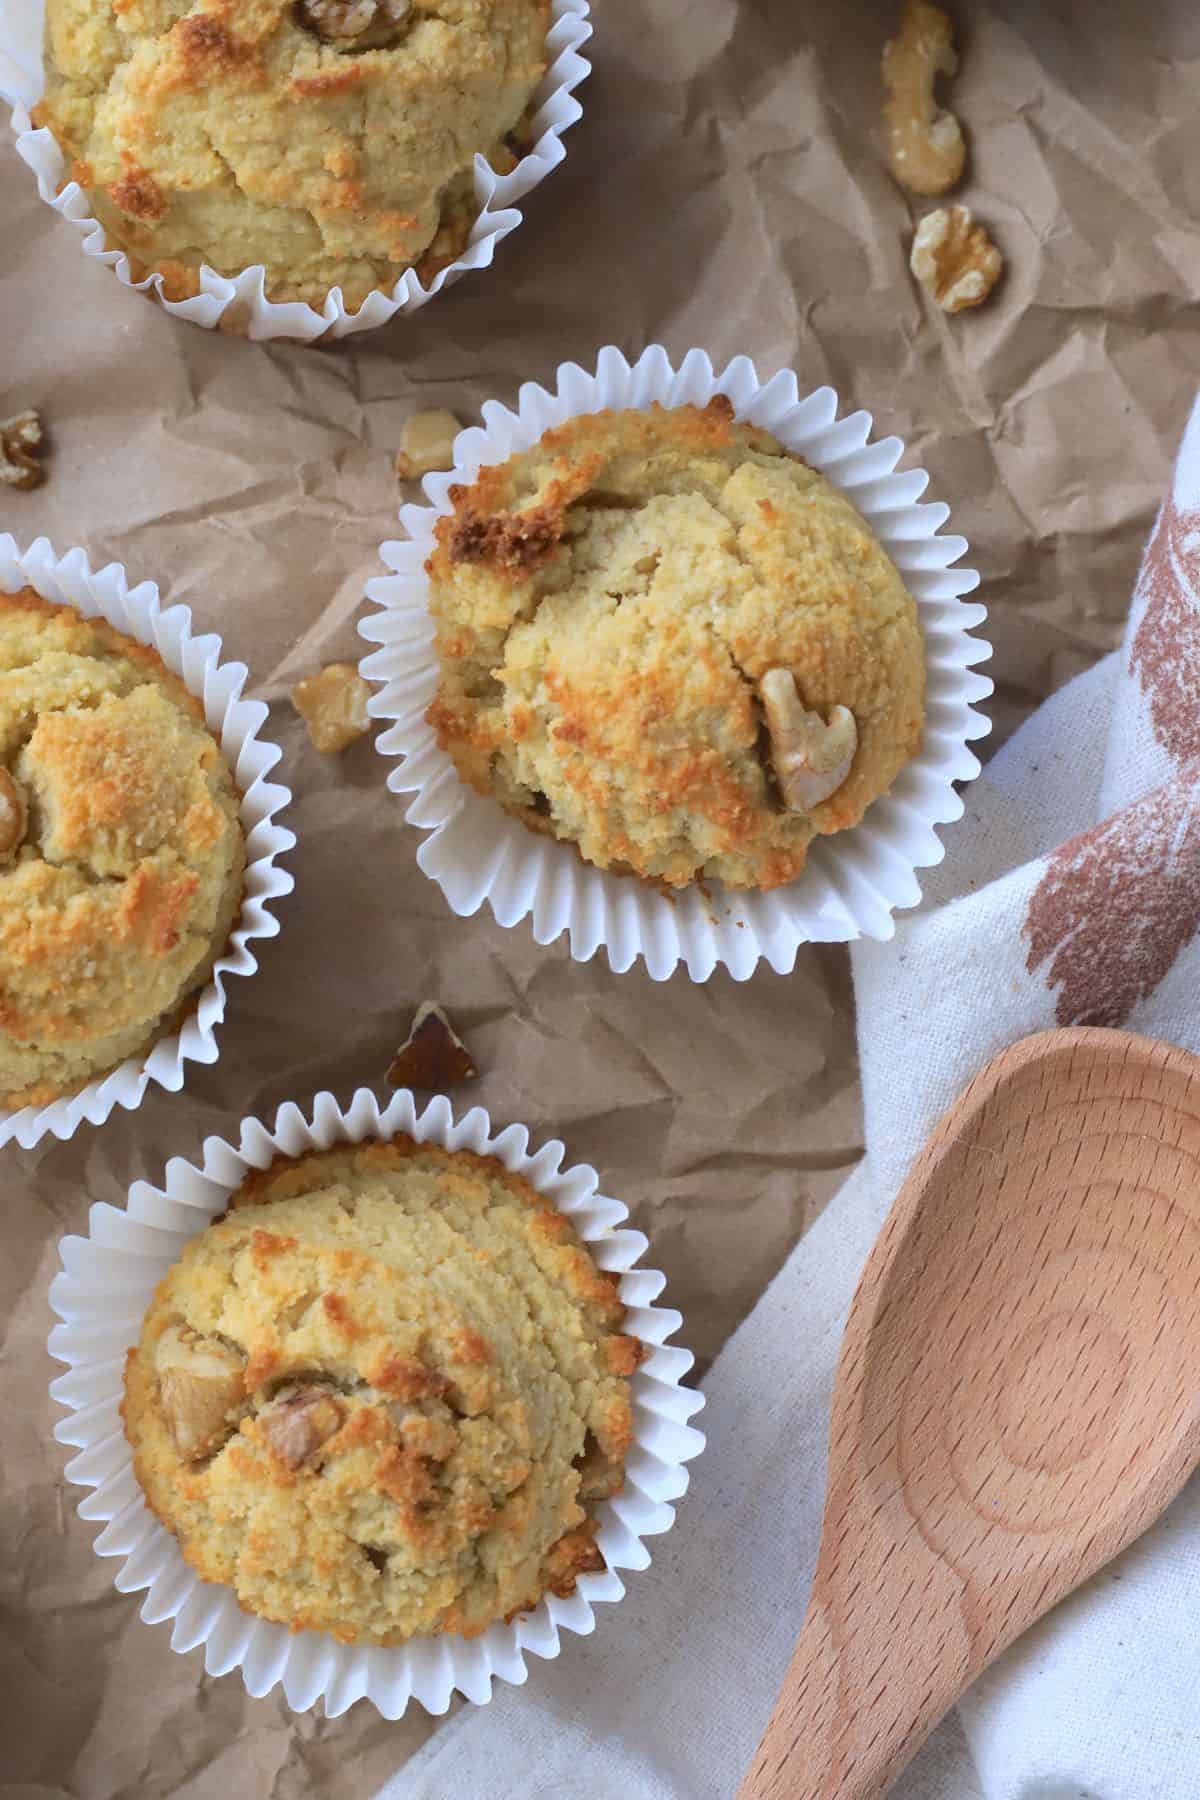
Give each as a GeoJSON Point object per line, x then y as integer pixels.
{"type": "Point", "coordinates": [668, 641]}
{"type": "Point", "coordinates": [333, 705]}
{"type": "Point", "coordinates": [383, 1395]}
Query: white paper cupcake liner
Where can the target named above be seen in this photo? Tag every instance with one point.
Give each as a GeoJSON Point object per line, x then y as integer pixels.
{"type": "Point", "coordinates": [854, 881]}
{"type": "Point", "coordinates": [236, 722]}
{"type": "Point", "coordinates": [239, 300]}
{"type": "Point", "coordinates": [101, 1296]}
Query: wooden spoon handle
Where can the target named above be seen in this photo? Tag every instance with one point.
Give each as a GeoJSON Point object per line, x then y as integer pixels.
{"type": "Point", "coordinates": [834, 1737]}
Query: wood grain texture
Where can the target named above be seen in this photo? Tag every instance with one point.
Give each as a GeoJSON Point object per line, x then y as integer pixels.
{"type": "Point", "coordinates": [1016, 1398]}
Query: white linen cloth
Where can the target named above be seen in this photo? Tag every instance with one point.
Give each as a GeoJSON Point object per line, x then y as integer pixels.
{"type": "Point", "coordinates": [1070, 894]}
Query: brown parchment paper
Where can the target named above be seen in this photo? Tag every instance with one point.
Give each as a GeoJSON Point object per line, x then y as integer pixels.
{"type": "Point", "coordinates": [725, 189]}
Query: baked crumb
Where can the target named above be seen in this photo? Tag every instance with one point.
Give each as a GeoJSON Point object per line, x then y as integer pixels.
{"type": "Point", "coordinates": [427, 443]}
{"type": "Point", "coordinates": [333, 141]}
{"type": "Point", "coordinates": [333, 705]}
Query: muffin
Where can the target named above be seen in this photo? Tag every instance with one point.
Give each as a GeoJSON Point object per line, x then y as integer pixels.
{"type": "Point", "coordinates": [121, 849]}
{"type": "Point", "coordinates": [668, 641]}
{"type": "Point", "coordinates": [330, 140]}
{"type": "Point", "coordinates": [382, 1395]}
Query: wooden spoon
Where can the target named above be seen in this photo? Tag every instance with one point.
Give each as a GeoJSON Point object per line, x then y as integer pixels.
{"type": "Point", "coordinates": [1017, 1399]}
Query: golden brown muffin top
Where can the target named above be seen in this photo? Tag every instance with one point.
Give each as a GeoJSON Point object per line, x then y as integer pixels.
{"type": "Point", "coordinates": [121, 850]}
{"type": "Point", "coordinates": [608, 605]}
{"type": "Point", "coordinates": [383, 1394]}
{"type": "Point", "coordinates": [331, 140]}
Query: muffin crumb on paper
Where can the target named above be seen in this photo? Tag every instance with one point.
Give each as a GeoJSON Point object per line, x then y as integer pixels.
{"type": "Point", "coordinates": [333, 705]}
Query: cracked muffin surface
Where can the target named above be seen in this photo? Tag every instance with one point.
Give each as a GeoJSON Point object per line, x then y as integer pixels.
{"type": "Point", "coordinates": [121, 849]}
{"type": "Point", "coordinates": [382, 1395]}
{"type": "Point", "coordinates": [607, 605]}
{"type": "Point", "coordinates": [331, 140]}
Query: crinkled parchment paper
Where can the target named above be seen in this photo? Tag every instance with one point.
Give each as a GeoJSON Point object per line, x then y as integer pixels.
{"type": "Point", "coordinates": [724, 189]}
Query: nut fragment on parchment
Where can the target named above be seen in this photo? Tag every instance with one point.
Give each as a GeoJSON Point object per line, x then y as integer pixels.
{"type": "Point", "coordinates": [954, 259]}
{"type": "Point", "coordinates": [433, 1055]}
{"type": "Point", "coordinates": [427, 443]}
{"type": "Point", "coordinates": [925, 143]}
{"type": "Point", "coordinates": [22, 450]}
{"type": "Point", "coordinates": [333, 704]}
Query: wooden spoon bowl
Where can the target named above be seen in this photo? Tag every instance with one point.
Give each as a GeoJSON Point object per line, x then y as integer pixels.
{"type": "Point", "coordinates": [1017, 1398]}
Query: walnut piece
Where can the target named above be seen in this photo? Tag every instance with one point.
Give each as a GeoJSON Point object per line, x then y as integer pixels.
{"type": "Point", "coordinates": [296, 1425]}
{"type": "Point", "coordinates": [360, 24]}
{"type": "Point", "coordinates": [427, 443]}
{"type": "Point", "coordinates": [22, 447]}
{"type": "Point", "coordinates": [925, 145]}
{"type": "Point", "coordinates": [433, 1055]}
{"type": "Point", "coordinates": [201, 1384]}
{"type": "Point", "coordinates": [333, 704]}
{"type": "Point", "coordinates": [811, 759]}
{"type": "Point", "coordinates": [954, 259]}
{"type": "Point", "coordinates": [14, 816]}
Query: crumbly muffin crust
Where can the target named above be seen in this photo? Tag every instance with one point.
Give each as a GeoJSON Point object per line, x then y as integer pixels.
{"type": "Point", "coordinates": [236, 132]}
{"type": "Point", "coordinates": [411, 1388]}
{"type": "Point", "coordinates": [606, 605]}
{"type": "Point", "coordinates": [124, 873]}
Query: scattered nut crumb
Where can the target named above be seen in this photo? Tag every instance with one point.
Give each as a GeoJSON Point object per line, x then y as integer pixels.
{"type": "Point", "coordinates": [925, 144]}
{"type": "Point", "coordinates": [22, 449]}
{"type": "Point", "coordinates": [366, 23]}
{"type": "Point", "coordinates": [427, 443]}
{"type": "Point", "coordinates": [14, 816]}
{"type": "Point", "coordinates": [201, 1383]}
{"type": "Point", "coordinates": [296, 1425]}
{"type": "Point", "coordinates": [433, 1055]}
{"type": "Point", "coordinates": [811, 759]}
{"type": "Point", "coordinates": [333, 704]}
{"type": "Point", "coordinates": [954, 259]}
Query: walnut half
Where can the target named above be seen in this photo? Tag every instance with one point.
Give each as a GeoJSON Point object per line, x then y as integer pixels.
{"type": "Point", "coordinates": [925, 144]}
{"type": "Point", "coordinates": [811, 759]}
{"type": "Point", "coordinates": [954, 259]}
{"type": "Point", "coordinates": [22, 447]}
{"type": "Point", "coordinates": [201, 1383]}
{"type": "Point", "coordinates": [14, 816]}
{"type": "Point", "coordinates": [355, 24]}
